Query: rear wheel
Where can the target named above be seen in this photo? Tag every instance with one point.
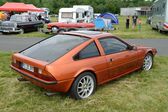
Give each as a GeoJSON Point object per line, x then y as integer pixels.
{"type": "Point", "coordinates": [83, 86]}
{"type": "Point", "coordinates": [148, 62]}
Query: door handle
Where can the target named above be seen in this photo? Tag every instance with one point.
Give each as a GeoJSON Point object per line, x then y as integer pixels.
{"type": "Point", "coordinates": [111, 60]}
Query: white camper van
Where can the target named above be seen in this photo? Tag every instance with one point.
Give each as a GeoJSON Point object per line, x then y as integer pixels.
{"type": "Point", "coordinates": [79, 13]}
{"type": "Point", "coordinates": [159, 19]}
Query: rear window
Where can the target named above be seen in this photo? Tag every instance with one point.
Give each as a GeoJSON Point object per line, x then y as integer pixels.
{"type": "Point", "coordinates": [52, 48]}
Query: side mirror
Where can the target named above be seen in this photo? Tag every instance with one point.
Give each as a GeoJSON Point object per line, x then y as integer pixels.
{"type": "Point", "coordinates": [132, 48]}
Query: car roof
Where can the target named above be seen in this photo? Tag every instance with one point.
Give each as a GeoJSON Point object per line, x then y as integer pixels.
{"type": "Point", "coordinates": [89, 34]}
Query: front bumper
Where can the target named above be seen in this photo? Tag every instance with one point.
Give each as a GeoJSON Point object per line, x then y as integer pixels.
{"type": "Point", "coordinates": [9, 30]}
{"type": "Point", "coordinates": [55, 86]}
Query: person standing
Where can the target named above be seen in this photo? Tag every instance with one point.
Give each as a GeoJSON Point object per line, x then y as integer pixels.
{"type": "Point", "coordinates": [134, 20]}
{"type": "Point", "coordinates": [127, 22]}
{"type": "Point", "coordinates": [139, 24]}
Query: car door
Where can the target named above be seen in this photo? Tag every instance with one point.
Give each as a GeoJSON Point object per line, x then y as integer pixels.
{"type": "Point", "coordinates": [120, 59]}
{"type": "Point", "coordinates": [90, 56]}
{"type": "Point", "coordinates": [26, 23]}
{"type": "Point", "coordinates": [34, 23]}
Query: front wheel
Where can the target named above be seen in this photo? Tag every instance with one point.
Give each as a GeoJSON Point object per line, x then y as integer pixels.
{"type": "Point", "coordinates": [54, 29]}
{"type": "Point", "coordinates": [21, 31]}
{"type": "Point", "coordinates": [148, 62]}
{"type": "Point", "coordinates": [83, 86]}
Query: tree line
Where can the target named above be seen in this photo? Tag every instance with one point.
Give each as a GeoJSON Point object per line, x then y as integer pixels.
{"type": "Point", "coordinates": [99, 6]}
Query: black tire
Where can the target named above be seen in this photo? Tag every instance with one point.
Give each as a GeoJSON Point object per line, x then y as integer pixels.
{"type": "Point", "coordinates": [74, 92]}
{"type": "Point", "coordinates": [152, 60]}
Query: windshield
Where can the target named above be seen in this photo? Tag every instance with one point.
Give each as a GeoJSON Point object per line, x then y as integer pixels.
{"type": "Point", "coordinates": [18, 18]}
{"type": "Point", "coordinates": [52, 48]}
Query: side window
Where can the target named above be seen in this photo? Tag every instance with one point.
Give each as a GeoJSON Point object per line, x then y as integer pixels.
{"type": "Point", "coordinates": [112, 45]}
{"type": "Point", "coordinates": [90, 51]}
{"type": "Point", "coordinates": [33, 19]}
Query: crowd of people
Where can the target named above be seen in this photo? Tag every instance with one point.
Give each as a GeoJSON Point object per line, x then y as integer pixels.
{"type": "Point", "coordinates": [135, 20]}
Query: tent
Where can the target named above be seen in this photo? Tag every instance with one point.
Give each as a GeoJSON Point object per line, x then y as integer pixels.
{"type": "Point", "coordinates": [103, 24]}
{"type": "Point", "coordinates": [114, 19]}
{"type": "Point", "coordinates": [19, 7]}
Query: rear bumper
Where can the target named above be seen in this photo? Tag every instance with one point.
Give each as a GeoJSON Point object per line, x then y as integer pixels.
{"type": "Point", "coordinates": [55, 86]}
{"type": "Point", "coordinates": [33, 78]}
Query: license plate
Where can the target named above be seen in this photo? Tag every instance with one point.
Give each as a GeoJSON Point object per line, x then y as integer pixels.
{"type": "Point", "coordinates": [27, 67]}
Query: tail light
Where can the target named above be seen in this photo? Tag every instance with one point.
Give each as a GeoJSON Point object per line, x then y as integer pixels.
{"type": "Point", "coordinates": [44, 74]}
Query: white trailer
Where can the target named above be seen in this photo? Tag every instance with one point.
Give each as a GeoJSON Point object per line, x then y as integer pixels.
{"type": "Point", "coordinates": [159, 18]}
{"type": "Point", "coordinates": [88, 12]}
{"type": "Point", "coordinates": [79, 13]}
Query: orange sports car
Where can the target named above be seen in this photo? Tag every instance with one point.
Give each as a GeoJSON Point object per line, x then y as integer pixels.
{"type": "Point", "coordinates": [78, 61]}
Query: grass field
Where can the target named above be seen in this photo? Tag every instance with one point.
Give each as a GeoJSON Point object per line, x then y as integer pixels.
{"type": "Point", "coordinates": [121, 31]}
{"type": "Point", "coordinates": [138, 92]}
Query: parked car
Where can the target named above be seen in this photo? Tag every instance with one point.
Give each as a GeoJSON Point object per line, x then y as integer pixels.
{"type": "Point", "coordinates": [21, 24]}
{"type": "Point", "coordinates": [46, 20]}
{"type": "Point", "coordinates": [159, 16]}
{"type": "Point", "coordinates": [60, 27]}
{"type": "Point", "coordinates": [78, 61]}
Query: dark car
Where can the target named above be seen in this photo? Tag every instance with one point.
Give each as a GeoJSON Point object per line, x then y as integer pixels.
{"type": "Point", "coordinates": [46, 20]}
{"type": "Point", "coordinates": [21, 24]}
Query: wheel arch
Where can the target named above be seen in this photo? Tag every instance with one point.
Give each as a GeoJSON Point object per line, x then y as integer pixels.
{"type": "Point", "coordinates": [54, 26]}
{"type": "Point", "coordinates": [86, 70]}
{"type": "Point", "coordinates": [150, 51]}
{"type": "Point", "coordinates": [81, 72]}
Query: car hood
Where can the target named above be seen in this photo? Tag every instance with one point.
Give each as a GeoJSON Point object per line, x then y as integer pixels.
{"type": "Point", "coordinates": [144, 47]}
{"type": "Point", "coordinates": [8, 23]}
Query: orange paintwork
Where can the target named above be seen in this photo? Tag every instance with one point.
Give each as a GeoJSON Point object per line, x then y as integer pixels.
{"type": "Point", "coordinates": [64, 70]}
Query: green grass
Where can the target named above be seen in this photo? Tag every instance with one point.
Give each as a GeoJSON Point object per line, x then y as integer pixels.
{"type": "Point", "coordinates": [146, 31]}
{"type": "Point", "coordinates": [138, 92]}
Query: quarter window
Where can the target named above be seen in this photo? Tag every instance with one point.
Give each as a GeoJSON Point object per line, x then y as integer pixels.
{"type": "Point", "coordinates": [90, 51]}
{"type": "Point", "coordinates": [112, 45]}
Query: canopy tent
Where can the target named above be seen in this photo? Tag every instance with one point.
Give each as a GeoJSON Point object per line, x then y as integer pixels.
{"type": "Point", "coordinates": [114, 19]}
{"type": "Point", "coordinates": [19, 7]}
